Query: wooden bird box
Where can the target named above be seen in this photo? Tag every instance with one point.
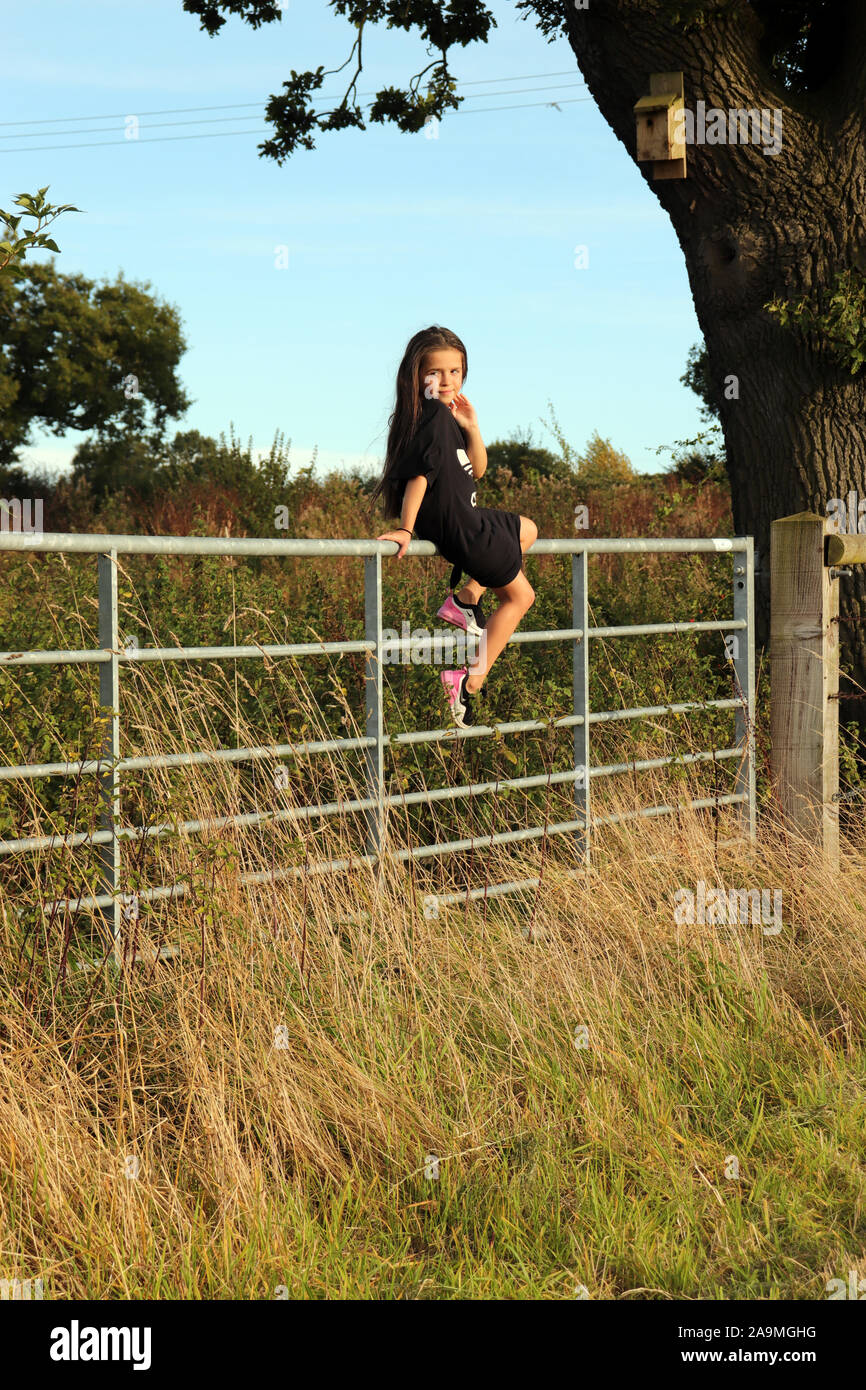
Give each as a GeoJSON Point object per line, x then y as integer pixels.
{"type": "Point", "coordinates": [660, 134]}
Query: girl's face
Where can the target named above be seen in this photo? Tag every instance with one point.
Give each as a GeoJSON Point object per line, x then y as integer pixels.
{"type": "Point", "coordinates": [442, 374]}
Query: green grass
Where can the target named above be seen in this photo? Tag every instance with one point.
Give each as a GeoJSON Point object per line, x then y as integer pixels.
{"type": "Point", "coordinates": [304, 1169]}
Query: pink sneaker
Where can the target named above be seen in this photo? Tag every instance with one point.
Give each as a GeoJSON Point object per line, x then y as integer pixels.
{"type": "Point", "coordinates": [458, 616]}
{"type": "Point", "coordinates": [458, 698]}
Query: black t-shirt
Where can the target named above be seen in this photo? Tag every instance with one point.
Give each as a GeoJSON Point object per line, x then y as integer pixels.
{"type": "Point", "coordinates": [482, 541]}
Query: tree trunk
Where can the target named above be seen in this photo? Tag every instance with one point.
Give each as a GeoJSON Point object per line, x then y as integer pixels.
{"type": "Point", "coordinates": [752, 226]}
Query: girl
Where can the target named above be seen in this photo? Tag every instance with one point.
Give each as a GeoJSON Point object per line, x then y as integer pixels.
{"type": "Point", "coordinates": [435, 455]}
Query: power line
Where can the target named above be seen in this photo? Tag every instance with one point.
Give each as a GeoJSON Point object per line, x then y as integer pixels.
{"type": "Point", "coordinates": [239, 105]}
{"type": "Point", "coordinates": [215, 120]}
{"type": "Point", "coordinates": [216, 134]}
{"type": "Point", "coordinates": [521, 106]}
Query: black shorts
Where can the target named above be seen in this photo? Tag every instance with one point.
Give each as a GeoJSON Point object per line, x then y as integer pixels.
{"type": "Point", "coordinates": [493, 557]}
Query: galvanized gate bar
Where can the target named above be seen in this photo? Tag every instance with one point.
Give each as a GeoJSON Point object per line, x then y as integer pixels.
{"type": "Point", "coordinates": [390, 649]}
{"type": "Point", "coordinates": [373, 700]}
{"type": "Point", "coordinates": [647, 711]}
{"type": "Point", "coordinates": [342, 745]}
{"type": "Point", "coordinates": [518, 726]}
{"type": "Point", "coordinates": [580, 686]}
{"type": "Point", "coordinates": [353, 805]}
{"type": "Point", "coordinates": [89, 544]}
{"type": "Point", "coordinates": [705, 803]}
{"type": "Point", "coordinates": [650, 629]}
{"type": "Point", "coordinates": [181, 653]}
{"type": "Point", "coordinates": [211, 755]}
{"type": "Point", "coordinates": [331, 866]}
{"type": "Point", "coordinates": [744, 671]}
{"type": "Point", "coordinates": [109, 780]}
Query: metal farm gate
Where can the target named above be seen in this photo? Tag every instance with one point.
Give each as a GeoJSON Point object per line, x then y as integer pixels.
{"type": "Point", "coordinates": [111, 657]}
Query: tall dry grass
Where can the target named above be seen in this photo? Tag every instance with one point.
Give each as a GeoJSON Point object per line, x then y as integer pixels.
{"type": "Point", "coordinates": [330, 1092]}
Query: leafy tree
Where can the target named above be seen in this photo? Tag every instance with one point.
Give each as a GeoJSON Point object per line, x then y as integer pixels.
{"type": "Point", "coordinates": [698, 466]}
{"type": "Point", "coordinates": [523, 460]}
{"type": "Point", "coordinates": [601, 465]}
{"type": "Point", "coordinates": [774, 244]}
{"type": "Point", "coordinates": [193, 468]}
{"type": "Point", "coordinates": [14, 246]}
{"type": "Point", "coordinates": [118, 463]}
{"type": "Point", "coordinates": [196, 460]}
{"type": "Point", "coordinates": [79, 355]}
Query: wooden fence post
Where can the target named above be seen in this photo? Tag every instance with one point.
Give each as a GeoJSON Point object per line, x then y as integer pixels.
{"type": "Point", "coordinates": [804, 670]}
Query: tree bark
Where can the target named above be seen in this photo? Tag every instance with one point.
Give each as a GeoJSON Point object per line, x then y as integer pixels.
{"type": "Point", "coordinates": [752, 226]}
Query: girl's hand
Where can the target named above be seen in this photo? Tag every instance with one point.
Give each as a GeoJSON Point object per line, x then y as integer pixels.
{"type": "Point", "coordinates": [402, 537]}
{"type": "Point", "coordinates": [464, 412]}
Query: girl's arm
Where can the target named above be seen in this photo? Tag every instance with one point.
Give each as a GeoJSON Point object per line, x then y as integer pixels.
{"type": "Point", "coordinates": [467, 418]}
{"type": "Point", "coordinates": [412, 499]}
{"type": "Point", "coordinates": [476, 451]}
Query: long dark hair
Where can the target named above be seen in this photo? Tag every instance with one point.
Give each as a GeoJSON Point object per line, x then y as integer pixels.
{"type": "Point", "coordinates": [403, 421]}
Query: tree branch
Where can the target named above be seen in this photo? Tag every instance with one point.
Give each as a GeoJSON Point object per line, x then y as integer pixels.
{"type": "Point", "coordinates": [292, 114]}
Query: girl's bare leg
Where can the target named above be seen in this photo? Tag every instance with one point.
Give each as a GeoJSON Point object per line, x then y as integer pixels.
{"type": "Point", "coordinates": [516, 599]}
{"type": "Point", "coordinates": [472, 590]}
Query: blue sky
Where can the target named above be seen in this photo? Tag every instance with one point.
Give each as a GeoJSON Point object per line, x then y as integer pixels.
{"type": "Point", "coordinates": [474, 227]}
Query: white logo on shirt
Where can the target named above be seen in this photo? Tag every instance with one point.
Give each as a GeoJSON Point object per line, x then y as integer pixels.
{"type": "Point", "coordinates": [465, 461]}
